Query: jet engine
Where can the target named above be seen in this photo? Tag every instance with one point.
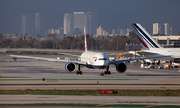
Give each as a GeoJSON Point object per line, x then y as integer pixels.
{"type": "Point", "coordinates": [121, 67]}
{"type": "Point", "coordinates": [70, 67]}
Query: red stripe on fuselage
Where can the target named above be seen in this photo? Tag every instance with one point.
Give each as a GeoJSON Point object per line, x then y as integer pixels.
{"type": "Point", "coordinates": [142, 42]}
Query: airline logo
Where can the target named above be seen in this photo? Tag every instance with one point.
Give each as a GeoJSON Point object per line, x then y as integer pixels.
{"type": "Point", "coordinates": [146, 40]}
{"type": "Point", "coordinates": [95, 58]}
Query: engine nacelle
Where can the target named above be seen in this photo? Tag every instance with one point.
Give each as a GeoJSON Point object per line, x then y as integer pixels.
{"type": "Point", "coordinates": [121, 67]}
{"type": "Point", "coordinates": [70, 67]}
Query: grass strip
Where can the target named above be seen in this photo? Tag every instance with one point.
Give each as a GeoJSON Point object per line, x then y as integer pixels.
{"type": "Point", "coordinates": [96, 92]}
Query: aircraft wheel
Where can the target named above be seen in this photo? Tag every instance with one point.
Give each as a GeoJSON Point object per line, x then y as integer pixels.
{"type": "Point", "coordinates": [79, 72]}
{"type": "Point", "coordinates": [101, 74]}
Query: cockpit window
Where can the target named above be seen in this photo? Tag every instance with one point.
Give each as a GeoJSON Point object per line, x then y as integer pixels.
{"type": "Point", "coordinates": [102, 58]}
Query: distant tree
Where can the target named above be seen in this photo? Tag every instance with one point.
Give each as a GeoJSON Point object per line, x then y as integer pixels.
{"type": "Point", "coordinates": [9, 36]}
{"type": "Point", "coordinates": [24, 38]}
{"type": "Point", "coordinates": [92, 39]}
{"type": "Point", "coordinates": [117, 38]}
{"type": "Point", "coordinates": [30, 38]}
{"type": "Point", "coordinates": [133, 38]}
{"type": "Point", "coordinates": [16, 35]}
{"type": "Point", "coordinates": [38, 36]}
{"type": "Point", "coordinates": [26, 35]}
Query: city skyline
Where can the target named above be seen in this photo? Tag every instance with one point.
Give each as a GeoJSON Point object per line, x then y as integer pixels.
{"type": "Point", "coordinates": [111, 14]}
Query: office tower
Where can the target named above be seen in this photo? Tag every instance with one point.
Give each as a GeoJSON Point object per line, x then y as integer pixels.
{"type": "Point", "coordinates": [68, 24]}
{"type": "Point", "coordinates": [91, 22]}
{"type": "Point", "coordinates": [167, 29]}
{"type": "Point", "coordinates": [128, 30]}
{"type": "Point", "coordinates": [155, 28]}
{"type": "Point", "coordinates": [51, 31]}
{"type": "Point", "coordinates": [27, 25]}
{"type": "Point", "coordinates": [116, 31]}
{"type": "Point", "coordinates": [99, 31]}
{"type": "Point", "coordinates": [123, 32]}
{"type": "Point", "coordinates": [39, 29]}
{"type": "Point", "coordinates": [78, 23]}
{"type": "Point", "coordinates": [24, 24]}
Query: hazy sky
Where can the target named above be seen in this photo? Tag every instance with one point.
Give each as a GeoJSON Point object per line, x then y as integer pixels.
{"type": "Point", "coordinates": [111, 13]}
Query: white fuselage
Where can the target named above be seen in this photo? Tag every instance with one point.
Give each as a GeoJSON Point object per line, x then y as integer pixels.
{"type": "Point", "coordinates": [173, 52]}
{"type": "Point", "coordinates": [95, 59]}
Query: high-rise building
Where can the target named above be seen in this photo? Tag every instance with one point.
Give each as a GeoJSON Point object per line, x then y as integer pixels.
{"type": "Point", "coordinates": [68, 24]}
{"type": "Point", "coordinates": [116, 31]}
{"type": "Point", "coordinates": [51, 31]}
{"type": "Point", "coordinates": [91, 22]}
{"type": "Point", "coordinates": [27, 25]}
{"type": "Point", "coordinates": [78, 23]}
{"type": "Point", "coordinates": [39, 29]}
{"type": "Point", "coordinates": [155, 28]}
{"type": "Point", "coordinates": [99, 31]}
{"type": "Point", "coordinates": [122, 32]}
{"type": "Point", "coordinates": [24, 24]}
{"type": "Point", "coordinates": [167, 29]}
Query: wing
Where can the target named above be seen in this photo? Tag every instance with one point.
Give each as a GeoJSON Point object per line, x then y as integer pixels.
{"type": "Point", "coordinates": [69, 54]}
{"type": "Point", "coordinates": [49, 59]}
{"type": "Point", "coordinates": [145, 53]}
{"type": "Point", "coordinates": [113, 62]}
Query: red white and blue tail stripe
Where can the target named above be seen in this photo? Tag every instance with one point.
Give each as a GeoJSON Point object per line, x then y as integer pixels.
{"type": "Point", "coordinates": [144, 37]}
{"type": "Point", "coordinates": [85, 39]}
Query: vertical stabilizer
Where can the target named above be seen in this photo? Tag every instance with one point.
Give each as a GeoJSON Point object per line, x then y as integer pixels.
{"type": "Point", "coordinates": [85, 39]}
{"type": "Point", "coordinates": [144, 37]}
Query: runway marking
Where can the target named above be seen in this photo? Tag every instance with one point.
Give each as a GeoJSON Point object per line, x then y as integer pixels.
{"type": "Point", "coordinates": [59, 79]}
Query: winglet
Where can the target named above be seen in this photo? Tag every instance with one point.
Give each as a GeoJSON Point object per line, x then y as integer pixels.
{"type": "Point", "coordinates": [85, 39]}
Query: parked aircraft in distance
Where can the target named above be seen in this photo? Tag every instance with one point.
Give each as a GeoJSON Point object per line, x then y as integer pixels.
{"type": "Point", "coordinates": [92, 60]}
{"type": "Point", "coordinates": [152, 48]}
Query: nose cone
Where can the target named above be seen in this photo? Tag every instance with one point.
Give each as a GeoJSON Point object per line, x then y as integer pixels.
{"type": "Point", "coordinates": [106, 62]}
{"type": "Point", "coordinates": [102, 61]}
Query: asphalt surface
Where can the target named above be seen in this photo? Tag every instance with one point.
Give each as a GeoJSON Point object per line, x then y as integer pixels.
{"type": "Point", "coordinates": [28, 73]}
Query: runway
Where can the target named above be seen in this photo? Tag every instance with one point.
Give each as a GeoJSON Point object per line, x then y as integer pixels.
{"type": "Point", "coordinates": [26, 74]}
{"type": "Point", "coordinates": [80, 99]}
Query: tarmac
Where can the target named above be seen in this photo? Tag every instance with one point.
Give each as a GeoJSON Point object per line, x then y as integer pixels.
{"type": "Point", "coordinates": [28, 74]}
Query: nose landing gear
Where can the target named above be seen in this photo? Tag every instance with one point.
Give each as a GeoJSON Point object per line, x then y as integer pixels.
{"type": "Point", "coordinates": [107, 72]}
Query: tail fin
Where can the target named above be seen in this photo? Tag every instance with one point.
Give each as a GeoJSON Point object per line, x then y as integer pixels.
{"type": "Point", "coordinates": [144, 37]}
{"type": "Point", "coordinates": [85, 39]}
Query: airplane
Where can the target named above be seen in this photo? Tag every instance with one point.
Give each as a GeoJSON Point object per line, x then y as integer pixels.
{"type": "Point", "coordinates": [91, 60]}
{"type": "Point", "coordinates": [152, 48]}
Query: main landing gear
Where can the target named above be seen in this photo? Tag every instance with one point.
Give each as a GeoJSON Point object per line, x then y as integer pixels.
{"type": "Point", "coordinates": [79, 70]}
{"type": "Point", "coordinates": [107, 72]}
